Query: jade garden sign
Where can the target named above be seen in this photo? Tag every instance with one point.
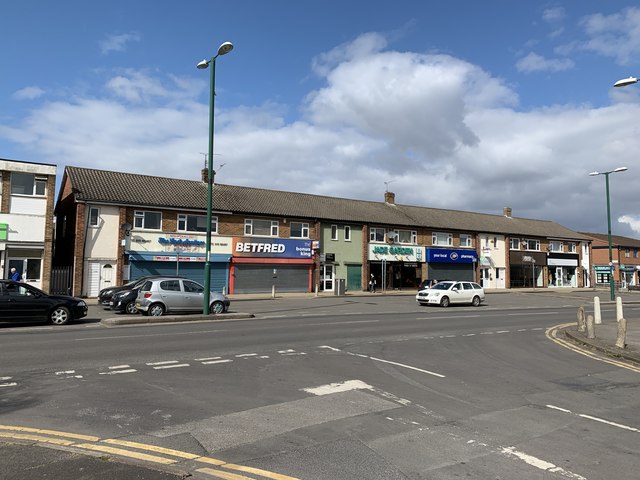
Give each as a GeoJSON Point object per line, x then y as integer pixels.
{"type": "Point", "coordinates": [396, 253]}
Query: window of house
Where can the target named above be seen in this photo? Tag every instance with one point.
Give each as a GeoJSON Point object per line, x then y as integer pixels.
{"type": "Point", "coordinates": [627, 253]}
{"type": "Point", "coordinates": [195, 223]}
{"type": "Point", "coordinates": [299, 230]}
{"type": "Point", "coordinates": [259, 227]}
{"type": "Point", "coordinates": [94, 217]}
{"type": "Point", "coordinates": [442, 239]}
{"type": "Point", "coordinates": [514, 244]}
{"type": "Point", "coordinates": [530, 244]}
{"type": "Point", "coordinates": [147, 220]}
{"type": "Point", "coordinates": [376, 234]}
{"type": "Point", "coordinates": [635, 253]}
{"type": "Point", "coordinates": [556, 246]}
{"type": "Point", "coordinates": [572, 248]}
{"type": "Point", "coordinates": [334, 232]}
{"type": "Point", "coordinates": [465, 240]}
{"type": "Point", "coordinates": [407, 236]}
{"type": "Point", "coordinates": [28, 184]}
{"type": "Point", "coordinates": [347, 233]}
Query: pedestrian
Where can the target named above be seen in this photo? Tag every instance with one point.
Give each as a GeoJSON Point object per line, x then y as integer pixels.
{"type": "Point", "coordinates": [372, 284]}
{"type": "Point", "coordinates": [15, 275]}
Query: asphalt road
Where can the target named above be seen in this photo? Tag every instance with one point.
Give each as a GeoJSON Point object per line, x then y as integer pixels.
{"type": "Point", "coordinates": [372, 387]}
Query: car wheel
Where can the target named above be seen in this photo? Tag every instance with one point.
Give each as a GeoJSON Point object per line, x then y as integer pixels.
{"type": "Point", "coordinates": [444, 302]}
{"type": "Point", "coordinates": [216, 307]}
{"type": "Point", "coordinates": [59, 315]}
{"type": "Point", "coordinates": [130, 308]}
{"type": "Point", "coordinates": [156, 310]}
{"type": "Point", "coordinates": [476, 301]}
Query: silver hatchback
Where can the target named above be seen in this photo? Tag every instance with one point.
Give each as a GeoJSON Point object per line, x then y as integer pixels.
{"type": "Point", "coordinates": [171, 294]}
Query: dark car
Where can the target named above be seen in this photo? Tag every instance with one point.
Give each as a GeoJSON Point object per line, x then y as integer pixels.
{"type": "Point", "coordinates": [20, 302]}
{"type": "Point", "coordinates": [104, 297]}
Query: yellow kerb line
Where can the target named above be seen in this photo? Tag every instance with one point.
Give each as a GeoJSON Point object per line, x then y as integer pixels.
{"type": "Point", "coordinates": [152, 448]}
{"type": "Point", "coordinates": [87, 438]}
{"type": "Point", "coordinates": [221, 474]}
{"type": "Point", "coordinates": [36, 438]}
{"type": "Point", "coordinates": [126, 453]}
{"type": "Point", "coordinates": [257, 471]}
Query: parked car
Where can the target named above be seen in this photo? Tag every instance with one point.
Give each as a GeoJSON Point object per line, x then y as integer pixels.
{"type": "Point", "coordinates": [448, 292]}
{"type": "Point", "coordinates": [124, 301]}
{"type": "Point", "coordinates": [428, 283]}
{"type": "Point", "coordinates": [20, 302]}
{"type": "Point", "coordinates": [106, 294]}
{"type": "Point", "coordinates": [173, 294]}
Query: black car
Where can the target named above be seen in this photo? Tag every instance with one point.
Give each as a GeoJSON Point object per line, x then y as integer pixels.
{"type": "Point", "coordinates": [20, 302]}
{"type": "Point", "coordinates": [104, 297]}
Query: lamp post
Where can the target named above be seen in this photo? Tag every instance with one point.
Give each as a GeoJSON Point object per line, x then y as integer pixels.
{"type": "Point", "coordinates": [223, 49]}
{"type": "Point", "coordinates": [606, 176]}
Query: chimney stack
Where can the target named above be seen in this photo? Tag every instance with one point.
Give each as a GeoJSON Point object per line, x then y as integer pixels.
{"type": "Point", "coordinates": [390, 198]}
{"type": "Point", "coordinates": [506, 211]}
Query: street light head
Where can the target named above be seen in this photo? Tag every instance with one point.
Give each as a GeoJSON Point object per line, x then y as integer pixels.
{"type": "Point", "coordinates": [594, 173]}
{"type": "Point", "coordinates": [203, 64]}
{"type": "Point", "coordinates": [625, 81]}
{"type": "Point", "coordinates": [225, 48]}
{"type": "Point", "coordinates": [620, 169]}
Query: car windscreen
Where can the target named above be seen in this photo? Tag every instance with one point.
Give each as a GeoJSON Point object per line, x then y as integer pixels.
{"type": "Point", "coordinates": [441, 286]}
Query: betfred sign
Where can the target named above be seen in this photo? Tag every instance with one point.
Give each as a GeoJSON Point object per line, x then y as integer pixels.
{"type": "Point", "coordinates": [271, 247]}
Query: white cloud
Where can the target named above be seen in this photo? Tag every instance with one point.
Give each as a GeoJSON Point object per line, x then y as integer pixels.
{"type": "Point", "coordinates": [537, 63]}
{"type": "Point", "coordinates": [632, 221]}
{"type": "Point", "coordinates": [553, 15]}
{"type": "Point", "coordinates": [118, 42]}
{"type": "Point", "coordinates": [446, 133]}
{"type": "Point", "coordinates": [28, 93]}
{"type": "Point", "coordinates": [616, 35]}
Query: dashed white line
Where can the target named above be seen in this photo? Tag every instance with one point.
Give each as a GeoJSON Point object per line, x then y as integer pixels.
{"type": "Point", "coordinates": [206, 359]}
{"type": "Point", "coordinates": [213, 362]}
{"type": "Point", "coordinates": [11, 384]}
{"type": "Point", "coordinates": [174, 365]}
{"type": "Point", "coordinates": [596, 419]}
{"type": "Point", "coordinates": [2, 379]}
{"type": "Point", "coordinates": [541, 464]}
{"type": "Point", "coordinates": [243, 355]}
{"type": "Point", "coordinates": [116, 372]}
{"type": "Point", "coordinates": [162, 363]}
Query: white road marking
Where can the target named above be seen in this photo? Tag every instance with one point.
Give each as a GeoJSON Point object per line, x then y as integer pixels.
{"type": "Point", "coordinates": [469, 335]}
{"type": "Point", "coordinates": [213, 362]}
{"type": "Point", "coordinates": [11, 384]}
{"type": "Point", "coordinates": [115, 372]}
{"type": "Point", "coordinates": [2, 379]}
{"type": "Point", "coordinates": [115, 367]}
{"type": "Point", "coordinates": [286, 351]}
{"type": "Point", "coordinates": [486, 333]}
{"type": "Point", "coordinates": [596, 419]}
{"type": "Point", "coordinates": [178, 365]}
{"type": "Point", "coordinates": [338, 387]}
{"type": "Point", "coordinates": [541, 464]}
{"type": "Point", "coordinates": [205, 359]}
{"type": "Point", "coordinates": [502, 331]}
{"type": "Point", "coordinates": [330, 348]}
{"type": "Point", "coordinates": [162, 363]}
{"type": "Point", "coordinates": [66, 372]}
{"type": "Point", "coordinates": [246, 355]}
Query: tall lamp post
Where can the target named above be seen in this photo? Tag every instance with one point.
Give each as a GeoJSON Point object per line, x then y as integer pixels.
{"type": "Point", "coordinates": [606, 176]}
{"type": "Point", "coordinates": [225, 48]}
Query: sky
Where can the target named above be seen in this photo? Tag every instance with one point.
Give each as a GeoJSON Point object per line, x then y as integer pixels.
{"type": "Point", "coordinates": [465, 105]}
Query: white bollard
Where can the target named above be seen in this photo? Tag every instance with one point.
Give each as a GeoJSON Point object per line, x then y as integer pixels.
{"type": "Point", "coordinates": [597, 315]}
{"type": "Point", "coordinates": [273, 291]}
{"type": "Point", "coordinates": [619, 313]}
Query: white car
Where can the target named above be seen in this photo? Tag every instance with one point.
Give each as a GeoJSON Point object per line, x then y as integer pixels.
{"type": "Point", "coordinates": [451, 292]}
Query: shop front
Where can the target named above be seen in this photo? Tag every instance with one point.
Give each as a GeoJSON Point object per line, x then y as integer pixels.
{"type": "Point", "coordinates": [260, 265]}
{"type": "Point", "coordinates": [184, 255]}
{"type": "Point", "coordinates": [628, 275]}
{"type": "Point", "coordinates": [395, 267]}
{"type": "Point", "coordinates": [563, 269]}
{"type": "Point", "coordinates": [451, 264]}
{"type": "Point", "coordinates": [527, 269]}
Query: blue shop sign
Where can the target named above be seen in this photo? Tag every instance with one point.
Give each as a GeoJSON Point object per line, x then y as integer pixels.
{"type": "Point", "coordinates": [447, 255]}
{"type": "Point", "coordinates": [186, 242]}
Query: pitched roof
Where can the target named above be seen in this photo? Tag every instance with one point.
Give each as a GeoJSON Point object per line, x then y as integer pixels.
{"type": "Point", "coordinates": [616, 240]}
{"type": "Point", "coordinates": [119, 188]}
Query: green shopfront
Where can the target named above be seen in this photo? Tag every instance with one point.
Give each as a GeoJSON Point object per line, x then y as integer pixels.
{"type": "Point", "coordinates": [396, 266]}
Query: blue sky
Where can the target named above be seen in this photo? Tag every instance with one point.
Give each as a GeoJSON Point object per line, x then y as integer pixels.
{"type": "Point", "coordinates": [459, 105]}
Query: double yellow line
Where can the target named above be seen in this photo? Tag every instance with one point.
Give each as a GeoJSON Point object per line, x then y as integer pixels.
{"type": "Point", "coordinates": [153, 453]}
{"type": "Point", "coordinates": [552, 334]}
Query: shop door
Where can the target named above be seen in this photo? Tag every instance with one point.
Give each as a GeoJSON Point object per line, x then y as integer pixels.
{"type": "Point", "coordinates": [485, 278]}
{"type": "Point", "coordinates": [500, 278]}
{"type": "Point", "coordinates": [326, 278]}
{"type": "Point", "coordinates": [559, 277]}
{"type": "Point", "coordinates": [354, 277]}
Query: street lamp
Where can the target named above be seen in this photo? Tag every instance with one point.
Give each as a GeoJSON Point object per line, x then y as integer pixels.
{"type": "Point", "coordinates": [626, 81]}
{"type": "Point", "coordinates": [225, 48]}
{"type": "Point", "coordinates": [606, 176]}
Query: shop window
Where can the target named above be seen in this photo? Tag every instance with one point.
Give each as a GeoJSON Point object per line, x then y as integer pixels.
{"type": "Point", "coordinates": [299, 230]}
{"type": "Point", "coordinates": [147, 220]}
{"type": "Point", "coordinates": [442, 239]}
{"type": "Point", "coordinates": [376, 234]}
{"type": "Point", "coordinates": [94, 217]}
{"type": "Point", "coordinates": [196, 223]}
{"type": "Point", "coordinates": [262, 228]}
